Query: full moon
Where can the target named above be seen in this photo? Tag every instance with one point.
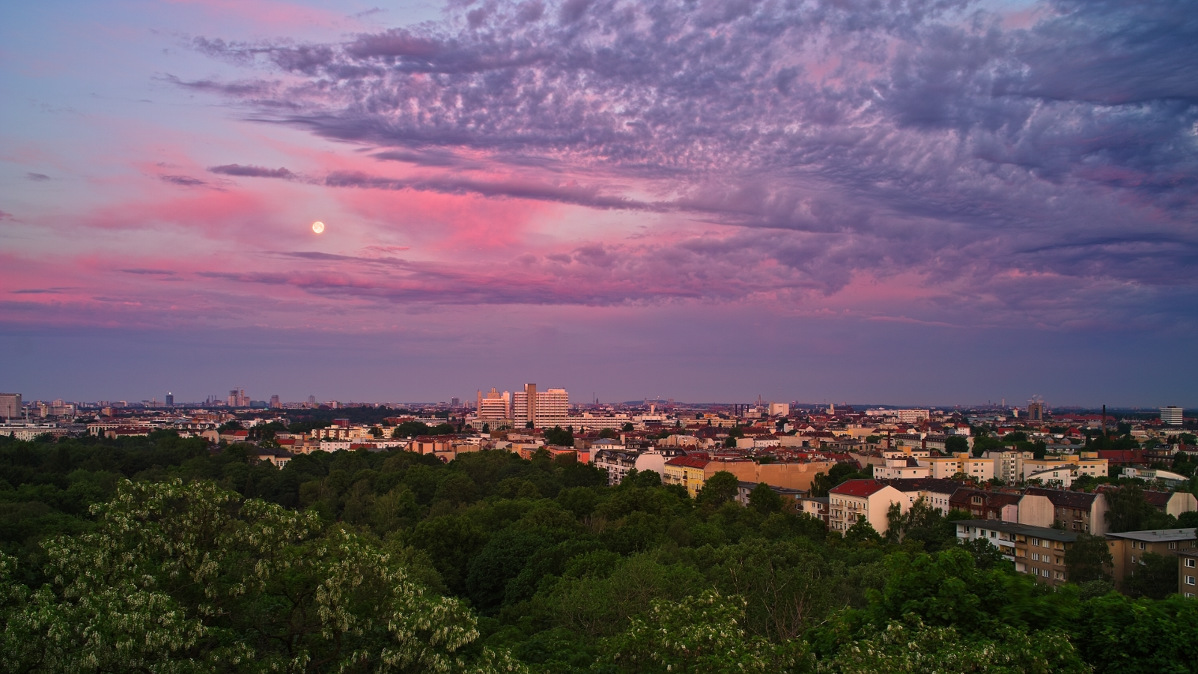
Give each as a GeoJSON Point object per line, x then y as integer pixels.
{"type": "Point", "coordinates": [318, 227]}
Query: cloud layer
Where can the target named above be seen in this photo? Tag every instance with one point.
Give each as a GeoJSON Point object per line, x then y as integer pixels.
{"type": "Point", "coordinates": [835, 140]}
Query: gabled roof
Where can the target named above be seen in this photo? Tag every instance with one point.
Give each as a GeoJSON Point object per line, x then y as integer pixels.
{"type": "Point", "coordinates": [1063, 499]}
{"type": "Point", "coordinates": [857, 488]}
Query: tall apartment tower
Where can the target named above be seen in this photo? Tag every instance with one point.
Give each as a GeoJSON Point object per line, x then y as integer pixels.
{"type": "Point", "coordinates": [170, 399]}
{"type": "Point", "coordinates": [10, 405]}
{"type": "Point", "coordinates": [542, 408]}
{"type": "Point", "coordinates": [1170, 416]}
{"type": "Point", "coordinates": [494, 406]}
{"type": "Point", "coordinates": [1035, 410]}
{"type": "Point", "coordinates": [274, 402]}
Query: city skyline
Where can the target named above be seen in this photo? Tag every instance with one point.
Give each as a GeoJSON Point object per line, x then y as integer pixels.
{"type": "Point", "coordinates": [960, 202]}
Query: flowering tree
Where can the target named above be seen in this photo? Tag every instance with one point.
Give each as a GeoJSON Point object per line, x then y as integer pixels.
{"type": "Point", "coordinates": [188, 577]}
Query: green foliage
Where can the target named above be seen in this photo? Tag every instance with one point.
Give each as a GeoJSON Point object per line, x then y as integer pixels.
{"type": "Point", "coordinates": [190, 577]}
{"type": "Point", "coordinates": [911, 647]}
{"type": "Point", "coordinates": [765, 500]}
{"type": "Point", "coordinates": [1155, 576]}
{"type": "Point", "coordinates": [700, 634]}
{"type": "Point", "coordinates": [559, 436]}
{"type": "Point", "coordinates": [1088, 559]}
{"type": "Point", "coordinates": [862, 532]}
{"type": "Point", "coordinates": [718, 489]}
{"type": "Point", "coordinates": [956, 444]}
{"type": "Point", "coordinates": [1128, 510]}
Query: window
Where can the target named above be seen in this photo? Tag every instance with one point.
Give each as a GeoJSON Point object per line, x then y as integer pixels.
{"type": "Point", "coordinates": [1189, 563]}
{"type": "Point", "coordinates": [1035, 556]}
{"type": "Point", "coordinates": [1173, 545]}
{"type": "Point", "coordinates": [1044, 572]}
{"type": "Point", "coordinates": [1189, 580]}
{"type": "Point", "coordinates": [1035, 542]}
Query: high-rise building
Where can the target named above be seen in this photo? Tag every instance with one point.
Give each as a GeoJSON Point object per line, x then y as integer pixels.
{"type": "Point", "coordinates": [10, 405]}
{"type": "Point", "coordinates": [455, 402]}
{"type": "Point", "coordinates": [238, 398]}
{"type": "Point", "coordinates": [170, 399]}
{"type": "Point", "coordinates": [1172, 415]}
{"type": "Point", "coordinates": [494, 406]}
{"type": "Point", "coordinates": [274, 402]}
{"type": "Point", "coordinates": [542, 408]}
{"type": "Point", "coordinates": [1035, 410]}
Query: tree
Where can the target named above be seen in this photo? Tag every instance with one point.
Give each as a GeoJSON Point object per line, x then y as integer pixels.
{"type": "Point", "coordinates": [908, 645]}
{"type": "Point", "coordinates": [558, 436]}
{"type": "Point", "coordinates": [1155, 576]}
{"type": "Point", "coordinates": [233, 425]}
{"type": "Point", "coordinates": [1088, 559]}
{"type": "Point", "coordinates": [189, 577]}
{"type": "Point", "coordinates": [718, 490]}
{"type": "Point", "coordinates": [627, 427]}
{"type": "Point", "coordinates": [607, 433]}
{"type": "Point", "coordinates": [862, 532]}
{"type": "Point", "coordinates": [765, 500]}
{"type": "Point", "coordinates": [1128, 510]}
{"type": "Point", "coordinates": [410, 429]}
{"type": "Point", "coordinates": [956, 444]}
{"type": "Point", "coordinates": [699, 634]}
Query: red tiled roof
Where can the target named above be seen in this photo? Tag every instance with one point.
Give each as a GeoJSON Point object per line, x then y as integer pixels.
{"type": "Point", "coordinates": [857, 488]}
{"type": "Point", "coordinates": [688, 462]}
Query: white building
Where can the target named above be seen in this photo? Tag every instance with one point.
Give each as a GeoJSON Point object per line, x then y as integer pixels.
{"type": "Point", "coordinates": [1172, 415]}
{"type": "Point", "coordinates": [543, 408]}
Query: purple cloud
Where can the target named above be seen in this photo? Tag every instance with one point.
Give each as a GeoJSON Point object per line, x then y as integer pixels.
{"type": "Point", "coordinates": [844, 140]}
{"type": "Point", "coordinates": [252, 171]}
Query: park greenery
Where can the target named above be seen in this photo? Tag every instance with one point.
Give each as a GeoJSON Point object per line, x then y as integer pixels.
{"type": "Point", "coordinates": [163, 554]}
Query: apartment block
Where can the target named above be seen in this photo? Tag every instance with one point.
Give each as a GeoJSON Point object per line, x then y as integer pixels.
{"type": "Point", "coordinates": [1036, 551]}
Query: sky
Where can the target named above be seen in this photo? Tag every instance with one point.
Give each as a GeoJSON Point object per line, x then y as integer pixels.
{"type": "Point", "coordinates": [924, 202]}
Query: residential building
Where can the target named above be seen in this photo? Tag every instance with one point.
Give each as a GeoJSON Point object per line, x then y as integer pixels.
{"type": "Point", "coordinates": [1074, 511]}
{"type": "Point", "coordinates": [543, 408]}
{"type": "Point", "coordinates": [687, 471]}
{"type": "Point", "coordinates": [1071, 465]}
{"type": "Point", "coordinates": [1008, 464]}
{"type": "Point", "coordinates": [1187, 572]}
{"type": "Point", "coordinates": [1172, 502]}
{"type": "Point", "coordinates": [494, 407]}
{"type": "Point", "coordinates": [987, 505]}
{"type": "Point", "coordinates": [936, 493]}
{"type": "Point", "coordinates": [617, 464]}
{"type": "Point", "coordinates": [1036, 551]}
{"type": "Point", "coordinates": [870, 499]}
{"type": "Point", "coordinates": [1129, 547]}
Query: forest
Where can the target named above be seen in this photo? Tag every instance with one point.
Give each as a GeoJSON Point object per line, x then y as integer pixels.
{"type": "Point", "coordinates": [162, 554]}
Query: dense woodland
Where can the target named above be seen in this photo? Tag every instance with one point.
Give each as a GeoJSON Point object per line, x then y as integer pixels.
{"type": "Point", "coordinates": [162, 554]}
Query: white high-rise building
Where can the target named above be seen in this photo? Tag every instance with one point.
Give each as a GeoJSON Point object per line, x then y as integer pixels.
{"type": "Point", "coordinates": [494, 406]}
{"type": "Point", "coordinates": [543, 408]}
{"type": "Point", "coordinates": [1172, 415]}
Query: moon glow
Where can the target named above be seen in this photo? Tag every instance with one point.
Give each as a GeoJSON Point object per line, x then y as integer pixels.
{"type": "Point", "coordinates": [318, 227]}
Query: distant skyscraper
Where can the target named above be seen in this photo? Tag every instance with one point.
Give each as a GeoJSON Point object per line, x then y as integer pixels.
{"type": "Point", "coordinates": [10, 405]}
{"type": "Point", "coordinates": [1035, 410]}
{"type": "Point", "coordinates": [1172, 415]}
{"type": "Point", "coordinates": [542, 408]}
{"type": "Point", "coordinates": [170, 399]}
{"type": "Point", "coordinates": [494, 406]}
{"type": "Point", "coordinates": [274, 402]}
{"type": "Point", "coordinates": [455, 402]}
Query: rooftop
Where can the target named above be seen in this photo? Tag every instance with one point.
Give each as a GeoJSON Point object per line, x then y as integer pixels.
{"type": "Point", "coordinates": [1157, 535]}
{"type": "Point", "coordinates": [1020, 529]}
